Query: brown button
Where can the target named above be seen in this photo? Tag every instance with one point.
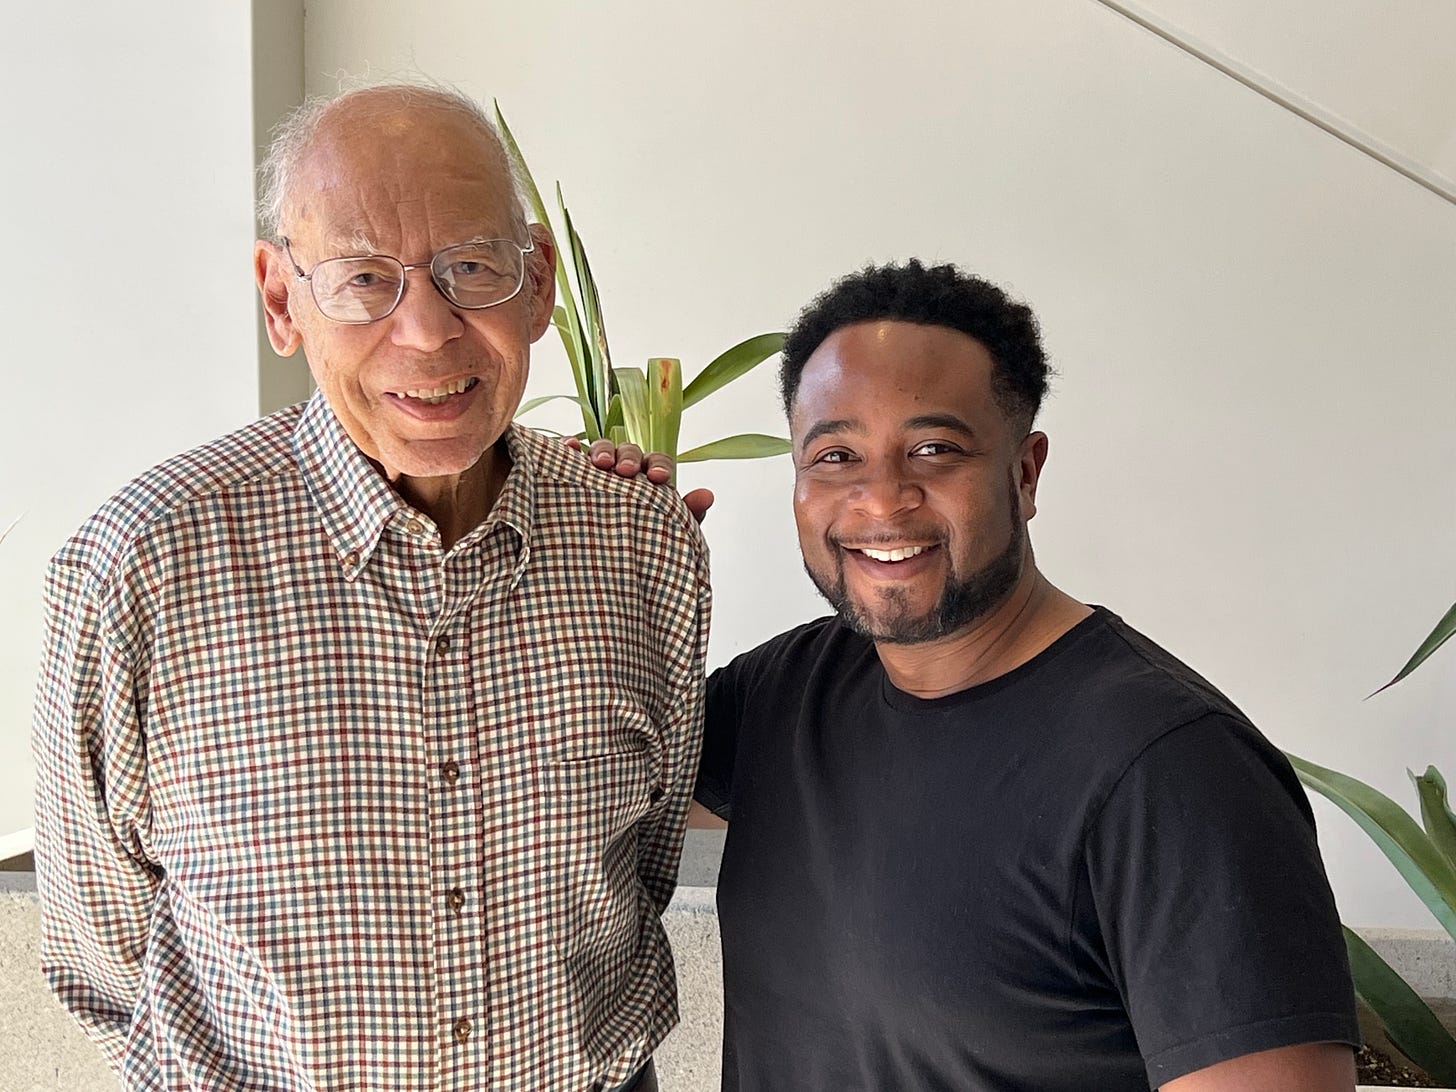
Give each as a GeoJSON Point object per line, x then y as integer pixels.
{"type": "Point", "coordinates": [455, 899]}
{"type": "Point", "coordinates": [415, 527]}
{"type": "Point", "coordinates": [351, 559]}
{"type": "Point", "coordinates": [461, 1030]}
{"type": "Point", "coordinates": [450, 771]}
{"type": "Point", "coordinates": [442, 645]}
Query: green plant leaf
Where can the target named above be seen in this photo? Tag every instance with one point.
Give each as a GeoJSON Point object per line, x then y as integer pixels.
{"type": "Point", "coordinates": [1407, 846]}
{"type": "Point", "coordinates": [636, 413]}
{"type": "Point", "coordinates": [513, 151]}
{"type": "Point", "coordinates": [533, 403]}
{"type": "Point", "coordinates": [730, 364]}
{"type": "Point", "coordinates": [748, 445]}
{"type": "Point", "coordinates": [1408, 1020]}
{"type": "Point", "coordinates": [569, 325]}
{"type": "Point", "coordinates": [1436, 814]}
{"type": "Point", "coordinates": [614, 414]}
{"type": "Point", "coordinates": [1439, 636]}
{"type": "Point", "coordinates": [594, 337]}
{"type": "Point", "coordinates": [664, 380]}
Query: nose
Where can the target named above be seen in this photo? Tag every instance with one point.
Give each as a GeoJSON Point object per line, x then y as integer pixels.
{"type": "Point", "coordinates": [424, 319]}
{"type": "Point", "coordinates": [886, 490]}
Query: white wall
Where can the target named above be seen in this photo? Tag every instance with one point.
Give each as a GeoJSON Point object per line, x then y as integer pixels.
{"type": "Point", "coordinates": [126, 286]}
{"type": "Point", "coordinates": [1381, 66]}
{"type": "Point", "coordinates": [1253, 455]}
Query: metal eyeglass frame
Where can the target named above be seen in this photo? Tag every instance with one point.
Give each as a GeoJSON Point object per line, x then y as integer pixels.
{"type": "Point", "coordinates": [430, 265]}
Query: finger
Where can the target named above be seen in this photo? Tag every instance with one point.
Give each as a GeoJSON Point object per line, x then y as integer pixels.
{"type": "Point", "coordinates": [573, 442]}
{"type": "Point", "coordinates": [698, 502]}
{"type": "Point", "coordinates": [629, 460]}
{"type": "Point", "coordinates": [603, 453]}
{"type": "Point", "coordinates": [659, 468]}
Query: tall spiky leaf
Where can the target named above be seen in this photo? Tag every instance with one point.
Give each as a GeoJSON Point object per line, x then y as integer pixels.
{"type": "Point", "coordinates": [1439, 636]}
{"type": "Point", "coordinates": [571, 343]}
{"type": "Point", "coordinates": [749, 445]}
{"type": "Point", "coordinates": [1408, 1020]}
{"type": "Point", "coordinates": [730, 364]}
{"type": "Point", "coordinates": [664, 378]}
{"type": "Point", "coordinates": [636, 410]}
{"type": "Point", "coordinates": [1436, 814]}
{"type": "Point", "coordinates": [595, 333]}
{"type": "Point", "coordinates": [566, 318]}
{"type": "Point", "coordinates": [1429, 874]}
{"type": "Point", "coordinates": [535, 403]}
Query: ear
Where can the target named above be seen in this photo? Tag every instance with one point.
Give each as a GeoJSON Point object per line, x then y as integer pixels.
{"type": "Point", "coordinates": [1030, 458]}
{"type": "Point", "coordinates": [274, 275]}
{"type": "Point", "coordinates": [541, 279]}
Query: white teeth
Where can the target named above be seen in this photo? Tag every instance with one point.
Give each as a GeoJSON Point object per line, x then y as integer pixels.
{"type": "Point", "coordinates": [900, 553]}
{"type": "Point", "coordinates": [435, 395]}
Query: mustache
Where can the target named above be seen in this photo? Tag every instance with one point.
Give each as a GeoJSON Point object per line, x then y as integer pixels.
{"type": "Point", "coordinates": [885, 538]}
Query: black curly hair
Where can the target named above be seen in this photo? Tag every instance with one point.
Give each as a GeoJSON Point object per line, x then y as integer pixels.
{"type": "Point", "coordinates": [937, 295]}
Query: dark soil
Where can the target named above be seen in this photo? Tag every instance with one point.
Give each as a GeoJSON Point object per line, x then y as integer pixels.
{"type": "Point", "coordinates": [1374, 1067]}
{"type": "Point", "coordinates": [1378, 1063]}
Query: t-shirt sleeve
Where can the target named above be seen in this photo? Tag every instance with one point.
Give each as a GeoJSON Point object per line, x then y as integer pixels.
{"type": "Point", "coordinates": [724, 707]}
{"type": "Point", "coordinates": [1218, 922]}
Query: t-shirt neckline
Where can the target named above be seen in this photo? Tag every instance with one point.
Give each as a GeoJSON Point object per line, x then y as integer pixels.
{"type": "Point", "coordinates": [904, 702]}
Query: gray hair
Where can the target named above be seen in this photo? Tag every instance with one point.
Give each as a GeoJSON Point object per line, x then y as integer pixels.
{"type": "Point", "coordinates": [294, 136]}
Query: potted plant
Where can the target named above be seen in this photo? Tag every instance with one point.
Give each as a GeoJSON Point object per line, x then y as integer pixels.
{"type": "Point", "coordinates": [631, 404]}
{"type": "Point", "coordinates": [1425, 855]}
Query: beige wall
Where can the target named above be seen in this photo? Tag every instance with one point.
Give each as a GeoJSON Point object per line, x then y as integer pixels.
{"type": "Point", "coordinates": [1253, 455]}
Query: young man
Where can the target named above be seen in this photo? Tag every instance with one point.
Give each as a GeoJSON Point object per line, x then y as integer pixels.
{"type": "Point", "coordinates": [981, 835]}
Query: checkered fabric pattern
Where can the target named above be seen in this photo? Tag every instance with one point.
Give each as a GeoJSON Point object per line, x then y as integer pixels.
{"type": "Point", "coordinates": [322, 806]}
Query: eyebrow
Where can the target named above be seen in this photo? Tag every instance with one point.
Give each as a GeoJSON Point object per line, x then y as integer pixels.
{"type": "Point", "coordinates": [924, 420]}
{"type": "Point", "coordinates": [940, 420]}
{"type": "Point", "coordinates": [823, 428]}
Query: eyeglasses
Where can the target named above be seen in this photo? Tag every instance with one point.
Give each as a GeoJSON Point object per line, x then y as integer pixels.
{"type": "Point", "coordinates": [369, 287]}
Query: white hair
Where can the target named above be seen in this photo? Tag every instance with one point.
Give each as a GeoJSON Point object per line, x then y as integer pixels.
{"type": "Point", "coordinates": [294, 136]}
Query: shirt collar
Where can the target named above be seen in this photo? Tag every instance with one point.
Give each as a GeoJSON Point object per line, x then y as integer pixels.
{"type": "Point", "coordinates": [355, 502]}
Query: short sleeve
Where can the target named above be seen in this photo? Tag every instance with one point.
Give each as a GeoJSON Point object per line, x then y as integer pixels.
{"type": "Point", "coordinates": [720, 741]}
{"type": "Point", "coordinates": [1218, 922]}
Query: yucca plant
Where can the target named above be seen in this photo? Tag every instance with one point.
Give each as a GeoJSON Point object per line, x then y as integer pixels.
{"type": "Point", "coordinates": [631, 404]}
{"type": "Point", "coordinates": [1425, 855]}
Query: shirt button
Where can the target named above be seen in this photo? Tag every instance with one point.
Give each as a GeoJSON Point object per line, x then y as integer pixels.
{"type": "Point", "coordinates": [415, 527]}
{"type": "Point", "coordinates": [351, 559]}
{"type": "Point", "coordinates": [461, 1030]}
{"type": "Point", "coordinates": [442, 645]}
{"type": "Point", "coordinates": [455, 899]}
{"type": "Point", "coordinates": [450, 771]}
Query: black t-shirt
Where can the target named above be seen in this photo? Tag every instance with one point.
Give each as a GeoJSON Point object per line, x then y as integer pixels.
{"type": "Point", "coordinates": [1091, 873]}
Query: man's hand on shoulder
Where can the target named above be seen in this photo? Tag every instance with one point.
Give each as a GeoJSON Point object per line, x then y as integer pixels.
{"type": "Point", "coordinates": [627, 461]}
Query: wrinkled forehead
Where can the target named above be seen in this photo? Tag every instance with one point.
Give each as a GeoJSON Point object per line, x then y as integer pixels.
{"type": "Point", "coordinates": [400, 176]}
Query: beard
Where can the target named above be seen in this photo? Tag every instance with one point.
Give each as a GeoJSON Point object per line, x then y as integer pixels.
{"type": "Point", "coordinates": [963, 600]}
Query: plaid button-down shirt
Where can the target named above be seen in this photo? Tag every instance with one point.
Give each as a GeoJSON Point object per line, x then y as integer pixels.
{"type": "Point", "coordinates": [322, 806]}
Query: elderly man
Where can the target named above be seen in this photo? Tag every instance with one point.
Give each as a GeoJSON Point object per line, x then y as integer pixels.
{"type": "Point", "coordinates": [365, 734]}
{"type": "Point", "coordinates": [981, 835]}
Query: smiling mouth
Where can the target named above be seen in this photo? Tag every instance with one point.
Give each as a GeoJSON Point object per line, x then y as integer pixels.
{"type": "Point", "coordinates": [434, 396]}
{"type": "Point", "coordinates": [899, 553]}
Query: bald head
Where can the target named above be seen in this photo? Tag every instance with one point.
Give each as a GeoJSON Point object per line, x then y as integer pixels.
{"type": "Point", "coordinates": [403, 125]}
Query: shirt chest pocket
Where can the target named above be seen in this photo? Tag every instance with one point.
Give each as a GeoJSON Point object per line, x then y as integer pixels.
{"type": "Point", "coordinates": [595, 800]}
{"type": "Point", "coordinates": [594, 805]}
